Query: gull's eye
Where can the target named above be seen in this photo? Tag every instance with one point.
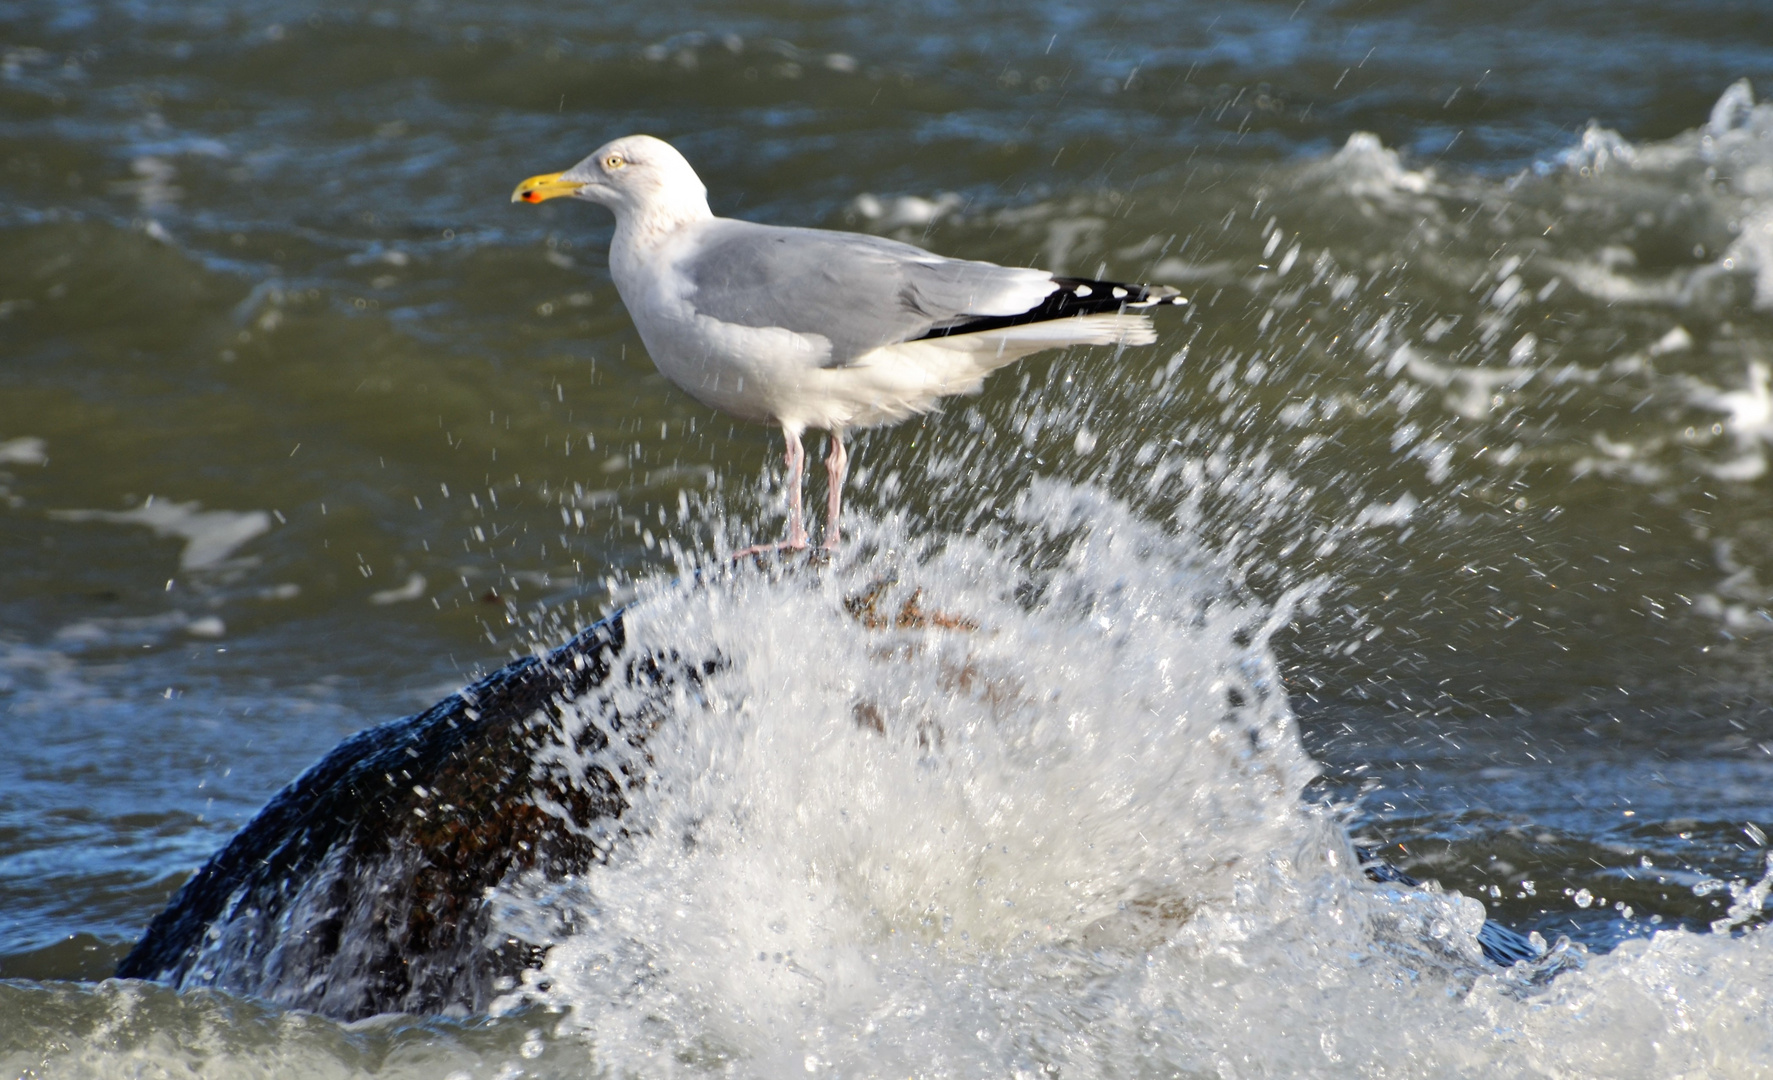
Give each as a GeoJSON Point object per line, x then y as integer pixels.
{"type": "Point", "coordinates": [613, 162]}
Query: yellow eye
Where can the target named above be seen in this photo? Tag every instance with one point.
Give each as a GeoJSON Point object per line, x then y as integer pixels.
{"type": "Point", "coordinates": [614, 161]}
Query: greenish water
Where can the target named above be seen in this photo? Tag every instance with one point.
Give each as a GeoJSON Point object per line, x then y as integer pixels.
{"type": "Point", "coordinates": [302, 423]}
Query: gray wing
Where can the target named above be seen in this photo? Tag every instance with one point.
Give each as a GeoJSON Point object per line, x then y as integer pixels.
{"type": "Point", "coordinates": [858, 292]}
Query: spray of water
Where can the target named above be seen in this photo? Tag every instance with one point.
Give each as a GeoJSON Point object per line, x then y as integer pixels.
{"type": "Point", "coordinates": [1028, 802]}
{"type": "Point", "coordinates": [951, 802]}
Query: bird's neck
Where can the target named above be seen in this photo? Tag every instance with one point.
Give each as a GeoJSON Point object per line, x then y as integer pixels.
{"type": "Point", "coordinates": [641, 251]}
{"type": "Point", "coordinates": [651, 223]}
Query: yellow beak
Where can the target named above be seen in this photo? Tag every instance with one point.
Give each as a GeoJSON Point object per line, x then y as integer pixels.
{"type": "Point", "coordinates": [542, 188]}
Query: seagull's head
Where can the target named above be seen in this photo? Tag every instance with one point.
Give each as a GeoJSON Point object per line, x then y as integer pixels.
{"type": "Point", "coordinates": [636, 173]}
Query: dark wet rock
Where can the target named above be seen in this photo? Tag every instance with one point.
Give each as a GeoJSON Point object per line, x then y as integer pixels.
{"type": "Point", "coordinates": [363, 887]}
{"type": "Point", "coordinates": [366, 886]}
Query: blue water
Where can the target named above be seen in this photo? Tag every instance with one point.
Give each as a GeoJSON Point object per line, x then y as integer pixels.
{"type": "Point", "coordinates": [1498, 421]}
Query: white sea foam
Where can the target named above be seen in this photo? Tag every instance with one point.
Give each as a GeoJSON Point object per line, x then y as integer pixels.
{"type": "Point", "coordinates": [1371, 172]}
{"type": "Point", "coordinates": [1735, 144]}
{"type": "Point", "coordinates": [210, 536]}
{"type": "Point", "coordinates": [24, 450]}
{"type": "Point", "coordinates": [137, 630]}
{"type": "Point", "coordinates": [412, 589]}
{"type": "Point", "coordinates": [904, 211]}
{"type": "Point", "coordinates": [1069, 841]}
{"type": "Point", "coordinates": [1748, 410]}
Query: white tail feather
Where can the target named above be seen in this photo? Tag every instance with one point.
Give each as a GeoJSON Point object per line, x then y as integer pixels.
{"type": "Point", "coordinates": [1054, 333]}
{"type": "Point", "coordinates": [896, 381]}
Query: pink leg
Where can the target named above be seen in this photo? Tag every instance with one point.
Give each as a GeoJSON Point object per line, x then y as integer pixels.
{"type": "Point", "coordinates": [837, 466]}
{"type": "Point", "coordinates": [796, 460]}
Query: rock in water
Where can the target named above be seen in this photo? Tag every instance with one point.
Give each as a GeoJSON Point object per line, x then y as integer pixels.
{"type": "Point", "coordinates": [366, 886]}
{"type": "Point", "coordinates": [363, 886]}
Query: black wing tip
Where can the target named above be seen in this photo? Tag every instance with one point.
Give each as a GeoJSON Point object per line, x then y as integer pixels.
{"type": "Point", "coordinates": [1108, 294]}
{"type": "Point", "coordinates": [1072, 298]}
{"type": "Point", "coordinates": [1160, 294]}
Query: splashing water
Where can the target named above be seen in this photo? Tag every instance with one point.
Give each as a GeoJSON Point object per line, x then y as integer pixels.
{"type": "Point", "coordinates": [1046, 821]}
{"type": "Point", "coordinates": [861, 839]}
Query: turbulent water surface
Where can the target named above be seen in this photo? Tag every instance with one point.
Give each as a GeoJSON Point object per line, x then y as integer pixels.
{"type": "Point", "coordinates": [1438, 517]}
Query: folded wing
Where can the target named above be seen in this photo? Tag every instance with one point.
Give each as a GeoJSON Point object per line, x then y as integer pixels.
{"type": "Point", "coordinates": [861, 292]}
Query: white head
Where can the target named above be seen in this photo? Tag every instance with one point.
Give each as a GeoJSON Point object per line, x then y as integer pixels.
{"type": "Point", "coordinates": [636, 176]}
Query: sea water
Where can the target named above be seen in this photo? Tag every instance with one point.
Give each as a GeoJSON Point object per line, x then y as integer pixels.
{"type": "Point", "coordinates": [1437, 518]}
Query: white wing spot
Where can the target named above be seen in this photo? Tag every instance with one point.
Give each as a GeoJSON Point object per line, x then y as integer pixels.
{"type": "Point", "coordinates": [1082, 290]}
{"type": "Point", "coordinates": [1119, 292]}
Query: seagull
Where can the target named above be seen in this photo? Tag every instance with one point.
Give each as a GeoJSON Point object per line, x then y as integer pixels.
{"type": "Point", "coordinates": [813, 328]}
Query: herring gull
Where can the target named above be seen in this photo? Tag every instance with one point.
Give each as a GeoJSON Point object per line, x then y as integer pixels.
{"type": "Point", "coordinates": [811, 328]}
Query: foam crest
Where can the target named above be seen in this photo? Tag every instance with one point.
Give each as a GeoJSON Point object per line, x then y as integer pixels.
{"type": "Point", "coordinates": [1726, 165]}
{"type": "Point", "coordinates": [956, 836]}
{"type": "Point", "coordinates": [1029, 801]}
